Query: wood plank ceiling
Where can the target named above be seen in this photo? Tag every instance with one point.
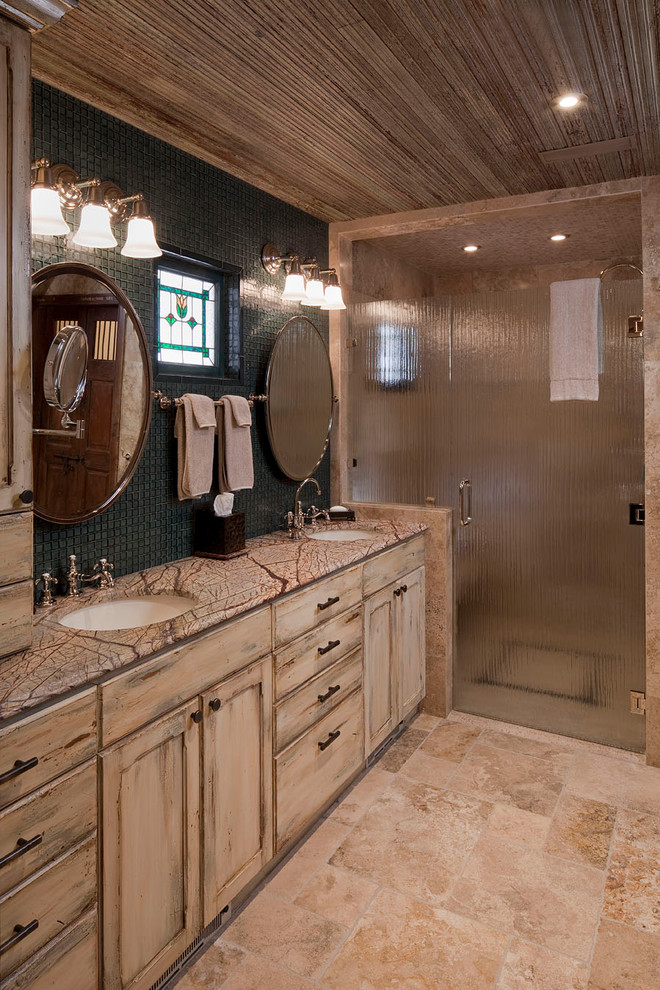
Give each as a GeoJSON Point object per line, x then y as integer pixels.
{"type": "Point", "coordinates": [350, 108]}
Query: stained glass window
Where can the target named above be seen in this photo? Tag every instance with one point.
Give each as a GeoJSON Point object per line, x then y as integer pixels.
{"type": "Point", "coordinates": [187, 320]}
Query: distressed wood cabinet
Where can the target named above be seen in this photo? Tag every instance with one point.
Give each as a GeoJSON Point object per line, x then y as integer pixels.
{"type": "Point", "coordinates": [394, 655]}
{"type": "Point", "coordinates": [237, 784]}
{"type": "Point", "coordinates": [150, 853]}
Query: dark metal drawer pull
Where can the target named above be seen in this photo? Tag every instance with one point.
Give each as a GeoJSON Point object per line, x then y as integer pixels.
{"type": "Point", "coordinates": [215, 704]}
{"type": "Point", "coordinates": [21, 932]}
{"type": "Point", "coordinates": [22, 846]}
{"type": "Point", "coordinates": [331, 738]}
{"type": "Point", "coordinates": [322, 697]}
{"type": "Point", "coordinates": [330, 601]}
{"type": "Point", "coordinates": [19, 767]}
{"type": "Point", "coordinates": [197, 717]}
{"type": "Point", "coordinates": [331, 645]}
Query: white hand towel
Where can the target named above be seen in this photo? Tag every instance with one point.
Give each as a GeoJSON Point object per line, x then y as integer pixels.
{"type": "Point", "coordinates": [576, 330]}
{"type": "Point", "coordinates": [194, 429]}
{"type": "Point", "coordinates": [235, 467]}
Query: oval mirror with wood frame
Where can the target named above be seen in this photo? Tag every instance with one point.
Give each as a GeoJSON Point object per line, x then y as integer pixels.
{"type": "Point", "coordinates": [84, 458]}
{"type": "Point", "coordinates": [299, 397]}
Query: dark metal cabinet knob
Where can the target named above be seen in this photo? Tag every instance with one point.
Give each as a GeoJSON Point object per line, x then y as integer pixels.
{"type": "Point", "coordinates": [26, 496]}
{"type": "Point", "coordinates": [197, 716]}
{"type": "Point", "coordinates": [404, 588]}
{"type": "Point", "coordinates": [397, 592]}
{"type": "Point", "coordinates": [215, 704]}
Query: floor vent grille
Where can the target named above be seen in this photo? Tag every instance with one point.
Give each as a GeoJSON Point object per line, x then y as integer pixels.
{"type": "Point", "coordinates": [194, 949]}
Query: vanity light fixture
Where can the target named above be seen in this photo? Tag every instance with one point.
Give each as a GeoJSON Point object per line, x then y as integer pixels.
{"type": "Point", "coordinates": [305, 282]}
{"type": "Point", "coordinates": [471, 248]}
{"type": "Point", "coordinates": [46, 210]}
{"type": "Point", "coordinates": [58, 187]}
{"type": "Point", "coordinates": [94, 230]}
{"type": "Point", "coordinates": [558, 237]}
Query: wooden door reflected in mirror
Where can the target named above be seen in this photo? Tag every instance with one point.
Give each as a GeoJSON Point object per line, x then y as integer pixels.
{"type": "Point", "coordinates": [79, 473]}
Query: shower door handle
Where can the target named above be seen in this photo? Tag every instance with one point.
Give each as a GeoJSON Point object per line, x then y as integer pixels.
{"type": "Point", "coordinates": [465, 501]}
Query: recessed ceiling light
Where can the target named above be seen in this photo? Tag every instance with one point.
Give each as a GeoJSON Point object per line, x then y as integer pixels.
{"type": "Point", "coordinates": [471, 247]}
{"type": "Point", "coordinates": [558, 237]}
{"type": "Point", "coordinates": [570, 100]}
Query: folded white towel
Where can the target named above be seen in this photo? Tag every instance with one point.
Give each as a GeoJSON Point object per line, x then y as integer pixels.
{"type": "Point", "coordinates": [235, 467]}
{"type": "Point", "coordinates": [576, 330]}
{"type": "Point", "coordinates": [194, 429]}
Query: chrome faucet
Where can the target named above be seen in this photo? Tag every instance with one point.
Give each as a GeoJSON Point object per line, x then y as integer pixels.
{"type": "Point", "coordinates": [296, 519]}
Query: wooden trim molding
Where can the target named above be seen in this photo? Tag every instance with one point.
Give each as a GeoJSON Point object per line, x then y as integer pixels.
{"type": "Point", "coordinates": [36, 14]}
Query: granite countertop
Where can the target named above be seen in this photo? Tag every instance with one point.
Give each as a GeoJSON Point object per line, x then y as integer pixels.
{"type": "Point", "coordinates": [62, 659]}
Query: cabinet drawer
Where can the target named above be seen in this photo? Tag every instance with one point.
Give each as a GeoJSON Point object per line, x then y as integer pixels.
{"type": "Point", "coordinates": [46, 744]}
{"type": "Point", "coordinates": [304, 707]}
{"type": "Point", "coordinates": [60, 815]}
{"type": "Point", "coordinates": [16, 601]}
{"type": "Point", "coordinates": [16, 543]}
{"type": "Point", "coordinates": [69, 960]}
{"type": "Point", "coordinates": [302, 659]}
{"type": "Point", "coordinates": [134, 698]}
{"type": "Point", "coordinates": [391, 565]}
{"type": "Point", "coordinates": [54, 898]}
{"type": "Point", "coordinates": [307, 777]}
{"type": "Point", "coordinates": [307, 609]}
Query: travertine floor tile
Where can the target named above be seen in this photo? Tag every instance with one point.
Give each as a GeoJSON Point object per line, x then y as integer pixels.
{"type": "Point", "coordinates": [428, 769]}
{"type": "Point", "coordinates": [552, 751]}
{"type": "Point", "coordinates": [625, 959]}
{"type": "Point", "coordinates": [292, 876]}
{"type": "Point", "coordinates": [512, 778]}
{"type": "Point", "coordinates": [532, 967]}
{"type": "Point", "coordinates": [632, 892]}
{"type": "Point", "coordinates": [541, 898]}
{"type": "Point", "coordinates": [215, 966]}
{"type": "Point", "coordinates": [360, 797]}
{"type": "Point", "coordinates": [337, 894]}
{"type": "Point", "coordinates": [614, 781]}
{"type": "Point", "coordinates": [513, 823]}
{"type": "Point", "coordinates": [260, 974]}
{"type": "Point", "coordinates": [450, 741]}
{"type": "Point", "coordinates": [324, 840]}
{"type": "Point", "coordinates": [287, 934]}
{"type": "Point", "coordinates": [400, 943]}
{"type": "Point", "coordinates": [582, 830]}
{"type": "Point", "coordinates": [425, 721]}
{"type": "Point", "coordinates": [394, 758]}
{"type": "Point", "coordinates": [414, 838]}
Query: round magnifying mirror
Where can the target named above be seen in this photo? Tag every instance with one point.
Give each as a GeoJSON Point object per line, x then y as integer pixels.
{"type": "Point", "coordinates": [65, 370]}
{"type": "Point", "coordinates": [299, 394]}
{"type": "Point", "coordinates": [91, 391]}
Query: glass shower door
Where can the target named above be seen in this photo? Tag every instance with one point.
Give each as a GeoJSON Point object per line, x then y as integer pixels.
{"type": "Point", "coordinates": [549, 574]}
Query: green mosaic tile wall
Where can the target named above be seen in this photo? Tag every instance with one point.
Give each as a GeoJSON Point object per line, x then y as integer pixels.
{"type": "Point", "coordinates": [199, 209]}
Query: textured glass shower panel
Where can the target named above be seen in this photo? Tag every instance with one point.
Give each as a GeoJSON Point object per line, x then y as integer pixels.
{"type": "Point", "coordinates": [400, 401]}
{"type": "Point", "coordinates": [550, 574]}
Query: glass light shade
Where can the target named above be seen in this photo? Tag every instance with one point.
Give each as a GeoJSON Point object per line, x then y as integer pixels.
{"type": "Point", "coordinates": [94, 230]}
{"type": "Point", "coordinates": [314, 295]}
{"type": "Point", "coordinates": [47, 219]}
{"type": "Point", "coordinates": [294, 288]}
{"type": "Point", "coordinates": [140, 239]}
{"type": "Point", "coordinates": [333, 298]}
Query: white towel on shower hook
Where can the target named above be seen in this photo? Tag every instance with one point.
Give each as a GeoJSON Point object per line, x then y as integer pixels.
{"type": "Point", "coordinates": [576, 339]}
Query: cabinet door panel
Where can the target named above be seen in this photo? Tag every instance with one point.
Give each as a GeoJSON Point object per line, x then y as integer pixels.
{"type": "Point", "coordinates": [150, 849]}
{"type": "Point", "coordinates": [409, 632]}
{"type": "Point", "coordinates": [381, 709]}
{"type": "Point", "coordinates": [238, 752]}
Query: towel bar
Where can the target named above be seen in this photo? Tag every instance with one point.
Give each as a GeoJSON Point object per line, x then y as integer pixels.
{"type": "Point", "coordinates": [165, 402]}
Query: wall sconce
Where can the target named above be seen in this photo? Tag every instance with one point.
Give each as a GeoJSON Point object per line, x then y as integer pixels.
{"type": "Point", "coordinates": [58, 187]}
{"type": "Point", "coordinates": [305, 282]}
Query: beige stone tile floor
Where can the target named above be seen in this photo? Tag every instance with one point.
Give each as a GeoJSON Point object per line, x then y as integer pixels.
{"type": "Point", "coordinates": [474, 855]}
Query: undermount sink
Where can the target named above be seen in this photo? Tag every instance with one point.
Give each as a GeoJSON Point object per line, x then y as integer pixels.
{"type": "Point", "coordinates": [342, 535]}
{"type": "Point", "coordinates": [128, 613]}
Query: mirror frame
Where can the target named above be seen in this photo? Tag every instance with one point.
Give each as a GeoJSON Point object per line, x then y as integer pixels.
{"type": "Point", "coordinates": [269, 426]}
{"type": "Point", "coordinates": [79, 268]}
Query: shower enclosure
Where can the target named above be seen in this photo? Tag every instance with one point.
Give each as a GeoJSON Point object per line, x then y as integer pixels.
{"type": "Point", "coordinates": [450, 397]}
